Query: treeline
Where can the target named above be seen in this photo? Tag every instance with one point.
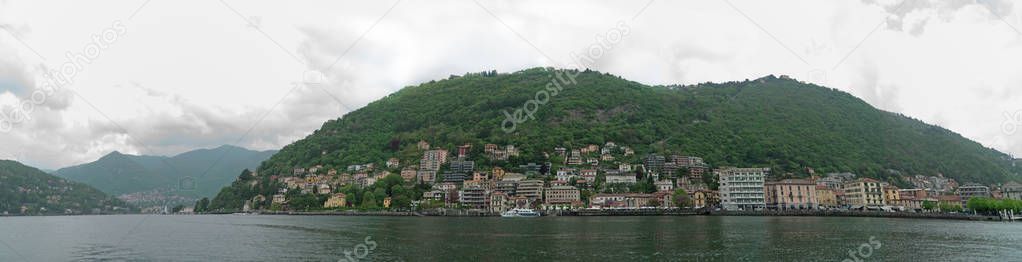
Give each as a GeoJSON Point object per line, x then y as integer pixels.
{"type": "Point", "coordinates": [990, 205]}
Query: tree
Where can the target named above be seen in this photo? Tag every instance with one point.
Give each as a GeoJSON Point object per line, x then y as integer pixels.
{"type": "Point", "coordinates": [202, 205]}
{"type": "Point", "coordinates": [929, 205]}
{"type": "Point", "coordinates": [369, 201]}
{"type": "Point", "coordinates": [681, 198]}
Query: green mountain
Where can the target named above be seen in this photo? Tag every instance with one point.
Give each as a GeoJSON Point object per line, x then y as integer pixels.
{"type": "Point", "coordinates": [39, 193]}
{"type": "Point", "coordinates": [192, 174]}
{"type": "Point", "coordinates": [773, 122]}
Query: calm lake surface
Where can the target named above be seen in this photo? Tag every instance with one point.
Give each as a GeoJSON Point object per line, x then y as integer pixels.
{"type": "Point", "coordinates": [326, 238]}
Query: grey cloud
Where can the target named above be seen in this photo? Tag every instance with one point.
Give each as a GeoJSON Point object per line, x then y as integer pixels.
{"type": "Point", "coordinates": [899, 11]}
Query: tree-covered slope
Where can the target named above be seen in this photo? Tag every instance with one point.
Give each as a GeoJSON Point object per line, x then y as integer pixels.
{"type": "Point", "coordinates": [209, 169]}
{"type": "Point", "coordinates": [774, 122]}
{"type": "Point", "coordinates": [24, 188]}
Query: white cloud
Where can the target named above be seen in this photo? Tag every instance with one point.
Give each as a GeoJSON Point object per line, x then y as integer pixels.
{"type": "Point", "coordinates": [194, 73]}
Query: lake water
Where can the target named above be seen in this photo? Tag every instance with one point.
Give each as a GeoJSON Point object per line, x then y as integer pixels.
{"type": "Point", "coordinates": [327, 238]}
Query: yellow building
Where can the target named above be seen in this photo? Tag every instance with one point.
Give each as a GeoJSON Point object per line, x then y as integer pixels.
{"type": "Point", "coordinates": [864, 192]}
{"type": "Point", "coordinates": [826, 196]}
{"type": "Point", "coordinates": [335, 201]}
{"type": "Point", "coordinates": [704, 198]}
{"type": "Point", "coordinates": [891, 195]}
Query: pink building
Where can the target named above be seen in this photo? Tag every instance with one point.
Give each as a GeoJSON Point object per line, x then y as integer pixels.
{"type": "Point", "coordinates": [791, 194]}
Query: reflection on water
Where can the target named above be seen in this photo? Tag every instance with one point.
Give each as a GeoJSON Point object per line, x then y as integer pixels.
{"type": "Point", "coordinates": [99, 252]}
{"type": "Point", "coordinates": [324, 238]}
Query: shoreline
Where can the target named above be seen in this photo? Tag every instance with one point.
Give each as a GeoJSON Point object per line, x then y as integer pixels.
{"type": "Point", "coordinates": [651, 212]}
{"type": "Point", "coordinates": [591, 213]}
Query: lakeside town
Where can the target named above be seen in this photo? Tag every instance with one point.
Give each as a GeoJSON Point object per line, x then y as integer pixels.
{"type": "Point", "coordinates": [613, 177]}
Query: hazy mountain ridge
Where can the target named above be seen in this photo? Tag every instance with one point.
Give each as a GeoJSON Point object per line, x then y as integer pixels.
{"type": "Point", "coordinates": [118, 173]}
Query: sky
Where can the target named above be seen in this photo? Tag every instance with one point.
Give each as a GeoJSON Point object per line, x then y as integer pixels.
{"type": "Point", "coordinates": [80, 79]}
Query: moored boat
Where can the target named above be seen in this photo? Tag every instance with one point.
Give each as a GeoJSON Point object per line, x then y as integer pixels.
{"type": "Point", "coordinates": [520, 212]}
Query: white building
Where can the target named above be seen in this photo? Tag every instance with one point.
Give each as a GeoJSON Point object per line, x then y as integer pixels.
{"type": "Point", "coordinates": [742, 188]}
{"type": "Point", "coordinates": [615, 178]}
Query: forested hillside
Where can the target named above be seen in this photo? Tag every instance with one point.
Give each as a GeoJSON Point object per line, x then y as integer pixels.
{"type": "Point", "coordinates": [776, 122]}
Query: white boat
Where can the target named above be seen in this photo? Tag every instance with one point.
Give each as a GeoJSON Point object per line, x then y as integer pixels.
{"type": "Point", "coordinates": [520, 212]}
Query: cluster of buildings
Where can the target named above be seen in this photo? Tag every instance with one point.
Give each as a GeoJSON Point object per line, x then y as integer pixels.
{"type": "Point", "coordinates": [457, 182]}
{"type": "Point", "coordinates": [748, 189]}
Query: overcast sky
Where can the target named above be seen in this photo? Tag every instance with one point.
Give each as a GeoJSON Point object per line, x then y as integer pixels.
{"type": "Point", "coordinates": [164, 77]}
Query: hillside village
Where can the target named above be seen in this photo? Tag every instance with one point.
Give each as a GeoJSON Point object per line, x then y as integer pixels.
{"type": "Point", "coordinates": [608, 176]}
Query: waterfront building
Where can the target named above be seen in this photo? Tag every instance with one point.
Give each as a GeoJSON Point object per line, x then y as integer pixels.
{"type": "Point", "coordinates": [474, 197]}
{"type": "Point", "coordinates": [627, 201]}
{"type": "Point", "coordinates": [791, 194]}
{"type": "Point", "coordinates": [704, 198]}
{"type": "Point", "coordinates": [742, 188]}
{"type": "Point", "coordinates": [561, 197]}
{"type": "Point", "coordinates": [892, 195]}
{"type": "Point", "coordinates": [864, 192]}
{"type": "Point", "coordinates": [500, 202]}
{"type": "Point", "coordinates": [1012, 190]}
{"type": "Point", "coordinates": [971, 190]}
{"type": "Point", "coordinates": [950, 200]}
{"type": "Point", "coordinates": [531, 189]}
{"type": "Point", "coordinates": [336, 200]}
{"type": "Point", "coordinates": [506, 187]}
{"type": "Point", "coordinates": [826, 196]}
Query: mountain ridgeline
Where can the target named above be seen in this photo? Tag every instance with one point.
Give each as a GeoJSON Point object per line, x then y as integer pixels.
{"type": "Point", "coordinates": [772, 122]}
{"type": "Point", "coordinates": [195, 173]}
{"type": "Point", "coordinates": [25, 190]}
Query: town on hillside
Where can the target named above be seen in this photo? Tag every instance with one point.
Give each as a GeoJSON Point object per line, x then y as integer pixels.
{"type": "Point", "coordinates": [608, 176]}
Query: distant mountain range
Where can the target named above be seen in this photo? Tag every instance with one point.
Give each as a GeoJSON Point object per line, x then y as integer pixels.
{"type": "Point", "coordinates": [198, 173]}
{"type": "Point", "coordinates": [25, 190]}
